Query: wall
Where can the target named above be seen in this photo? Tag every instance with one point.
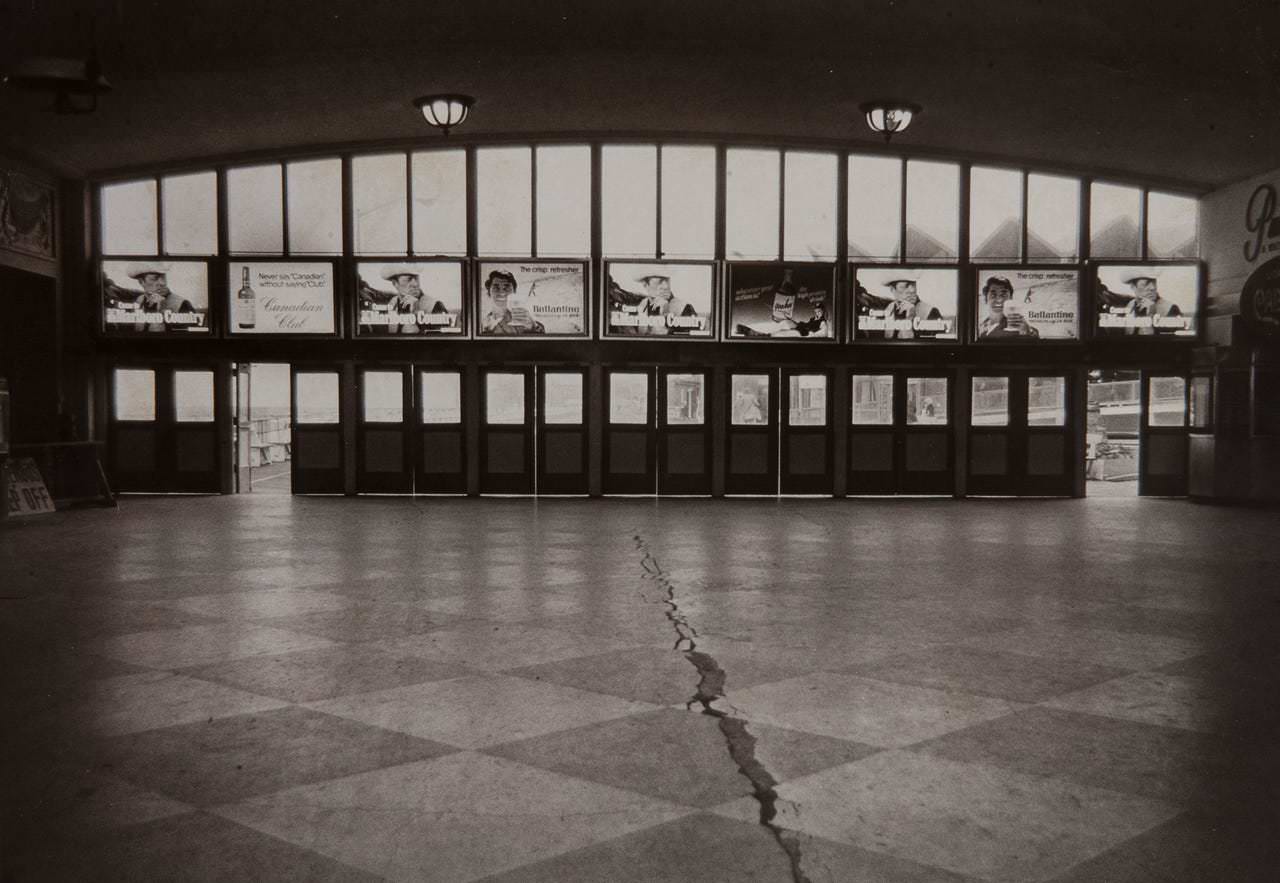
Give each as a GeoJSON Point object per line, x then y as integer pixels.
{"type": "Point", "coordinates": [1240, 230]}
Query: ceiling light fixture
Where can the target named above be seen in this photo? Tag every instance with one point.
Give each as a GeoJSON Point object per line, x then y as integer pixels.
{"type": "Point", "coordinates": [444, 111]}
{"type": "Point", "coordinates": [68, 79]}
{"type": "Point", "coordinates": [889, 117]}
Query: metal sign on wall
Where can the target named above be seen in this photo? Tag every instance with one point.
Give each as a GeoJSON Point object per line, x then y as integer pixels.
{"type": "Point", "coordinates": [1260, 301]}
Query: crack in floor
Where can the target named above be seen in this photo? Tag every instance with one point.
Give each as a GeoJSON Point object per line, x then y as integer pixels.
{"type": "Point", "coordinates": [738, 739]}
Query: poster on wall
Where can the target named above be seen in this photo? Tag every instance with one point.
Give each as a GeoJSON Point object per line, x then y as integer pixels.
{"type": "Point", "coordinates": [775, 301]}
{"type": "Point", "coordinates": [155, 296]}
{"type": "Point", "coordinates": [1027, 305]}
{"type": "Point", "coordinates": [532, 299]}
{"type": "Point", "coordinates": [659, 300]}
{"type": "Point", "coordinates": [279, 298]}
{"type": "Point", "coordinates": [905, 303]}
{"type": "Point", "coordinates": [405, 298]}
{"type": "Point", "coordinates": [1147, 300]}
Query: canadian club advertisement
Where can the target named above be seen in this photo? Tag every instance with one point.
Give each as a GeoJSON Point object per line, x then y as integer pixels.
{"type": "Point", "coordinates": [1016, 305]}
{"type": "Point", "coordinates": [406, 298]}
{"type": "Point", "coordinates": [532, 298]}
{"type": "Point", "coordinates": [1152, 300]}
{"type": "Point", "coordinates": [269, 298]}
{"type": "Point", "coordinates": [154, 296]}
{"type": "Point", "coordinates": [660, 300]}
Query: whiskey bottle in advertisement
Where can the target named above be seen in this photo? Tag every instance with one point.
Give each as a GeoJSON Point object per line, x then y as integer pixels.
{"type": "Point", "coordinates": [246, 302]}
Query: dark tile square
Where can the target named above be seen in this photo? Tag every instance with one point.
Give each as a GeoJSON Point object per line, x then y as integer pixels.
{"type": "Point", "coordinates": [680, 756]}
{"type": "Point", "coordinates": [367, 622]}
{"type": "Point", "coordinates": [326, 672]}
{"type": "Point", "coordinates": [193, 848]}
{"type": "Point", "coordinates": [987, 673]}
{"type": "Point", "coordinates": [231, 758]}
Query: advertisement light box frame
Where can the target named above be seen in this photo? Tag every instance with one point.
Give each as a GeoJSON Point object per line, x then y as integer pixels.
{"type": "Point", "coordinates": [1160, 269]}
{"type": "Point", "coordinates": [525, 281]}
{"type": "Point", "coordinates": [233, 277]}
{"type": "Point", "coordinates": [639, 265]}
{"type": "Point", "coordinates": [463, 296]}
{"type": "Point", "coordinates": [1011, 272]}
{"type": "Point", "coordinates": [855, 269]}
{"type": "Point", "coordinates": [110, 268]}
{"type": "Point", "coordinates": [778, 271]}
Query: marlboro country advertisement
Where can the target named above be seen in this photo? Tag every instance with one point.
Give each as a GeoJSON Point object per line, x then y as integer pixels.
{"type": "Point", "coordinates": [1027, 306]}
{"type": "Point", "coordinates": [660, 300]}
{"type": "Point", "coordinates": [905, 303]}
{"type": "Point", "coordinates": [155, 296]}
{"type": "Point", "coordinates": [406, 298]}
{"type": "Point", "coordinates": [1147, 301]}
{"type": "Point", "coordinates": [772, 301]}
{"type": "Point", "coordinates": [281, 298]}
{"type": "Point", "coordinates": [532, 298]}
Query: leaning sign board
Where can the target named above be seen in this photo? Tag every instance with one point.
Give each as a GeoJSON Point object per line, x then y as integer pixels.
{"type": "Point", "coordinates": [25, 493]}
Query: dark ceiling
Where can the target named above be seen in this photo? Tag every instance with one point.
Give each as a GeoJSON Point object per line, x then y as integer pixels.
{"type": "Point", "coordinates": [1177, 91]}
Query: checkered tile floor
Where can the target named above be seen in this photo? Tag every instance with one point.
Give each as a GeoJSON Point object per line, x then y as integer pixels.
{"type": "Point", "coordinates": [286, 689]}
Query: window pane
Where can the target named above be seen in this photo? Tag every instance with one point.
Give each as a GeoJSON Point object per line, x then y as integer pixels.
{"type": "Point", "coordinates": [808, 398]}
{"type": "Point", "coordinates": [629, 200]}
{"type": "Point", "coordinates": [1053, 218]}
{"type": "Point", "coordinates": [504, 200]}
{"type": "Point", "coordinates": [1113, 221]}
{"type": "Point", "coordinates": [629, 398]}
{"type": "Point", "coordinates": [193, 396]}
{"type": "Point", "coordinates": [926, 400]}
{"type": "Point", "coordinates": [504, 398]}
{"type": "Point", "coordinates": [751, 204]}
{"type": "Point", "coordinates": [380, 204]}
{"type": "Point", "coordinates": [750, 399]}
{"type": "Point", "coordinates": [562, 398]}
{"type": "Point", "coordinates": [1201, 416]}
{"type": "Point", "coordinates": [439, 202]}
{"type": "Point", "coordinates": [441, 397]}
{"type": "Point", "coordinates": [190, 213]}
{"type": "Point", "coordinates": [990, 405]}
{"type": "Point", "coordinates": [564, 201]}
{"type": "Point", "coordinates": [383, 395]}
{"type": "Point", "coordinates": [872, 399]}
{"type": "Point", "coordinates": [255, 210]}
{"type": "Point", "coordinates": [995, 214]}
{"type": "Point", "coordinates": [809, 225]}
{"type": "Point", "coordinates": [315, 206]}
{"type": "Point", "coordinates": [135, 394]}
{"type": "Point", "coordinates": [317, 397]}
{"type": "Point", "coordinates": [685, 395]}
{"type": "Point", "coordinates": [1046, 401]}
{"type": "Point", "coordinates": [129, 218]}
{"type": "Point", "coordinates": [1172, 226]}
{"type": "Point", "coordinates": [875, 208]}
{"type": "Point", "coordinates": [933, 211]}
{"type": "Point", "coordinates": [1166, 401]}
{"type": "Point", "coordinates": [689, 202]}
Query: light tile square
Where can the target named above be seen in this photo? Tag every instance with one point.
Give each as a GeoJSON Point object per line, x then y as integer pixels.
{"type": "Point", "coordinates": [133, 703]}
{"type": "Point", "coordinates": [204, 645]}
{"type": "Point", "coordinates": [495, 647]}
{"type": "Point", "coordinates": [262, 604]}
{"type": "Point", "coordinates": [1158, 698]}
{"type": "Point", "coordinates": [458, 818]}
{"type": "Point", "coordinates": [480, 710]}
{"type": "Point", "coordinates": [863, 710]}
{"type": "Point", "coordinates": [1128, 650]}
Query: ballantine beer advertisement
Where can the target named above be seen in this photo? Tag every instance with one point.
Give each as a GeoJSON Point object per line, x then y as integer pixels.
{"type": "Point", "coordinates": [905, 303]}
{"type": "Point", "coordinates": [155, 296]}
{"type": "Point", "coordinates": [1019, 305]}
{"type": "Point", "coordinates": [659, 300]}
{"type": "Point", "coordinates": [1147, 300]}
{"type": "Point", "coordinates": [406, 298]}
{"type": "Point", "coordinates": [782, 301]}
{"type": "Point", "coordinates": [532, 298]}
{"type": "Point", "coordinates": [270, 298]}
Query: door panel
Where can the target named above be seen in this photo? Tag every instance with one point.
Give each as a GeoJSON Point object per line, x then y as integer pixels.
{"type": "Point", "coordinates": [562, 431]}
{"type": "Point", "coordinates": [630, 462]}
{"type": "Point", "coordinates": [507, 431]}
{"type": "Point", "coordinates": [384, 445]}
{"type": "Point", "coordinates": [684, 447]}
{"type": "Point", "coordinates": [751, 438]}
{"type": "Point", "coordinates": [1163, 447]}
{"type": "Point", "coordinates": [318, 457]}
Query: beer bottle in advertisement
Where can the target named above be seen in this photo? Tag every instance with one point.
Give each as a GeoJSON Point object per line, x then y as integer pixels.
{"type": "Point", "coordinates": [246, 302]}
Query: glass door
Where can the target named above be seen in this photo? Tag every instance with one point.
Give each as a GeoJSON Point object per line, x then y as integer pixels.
{"type": "Point", "coordinates": [875, 452]}
{"type": "Point", "coordinates": [440, 466]}
{"type": "Point", "coordinates": [629, 462]}
{"type": "Point", "coordinates": [1112, 433]}
{"type": "Point", "coordinates": [684, 447]}
{"type": "Point", "coordinates": [1163, 451]}
{"type": "Point", "coordinates": [806, 433]}
{"type": "Point", "coordinates": [506, 432]}
{"type": "Point", "coordinates": [384, 456]}
{"type": "Point", "coordinates": [751, 457]}
{"type": "Point", "coordinates": [163, 429]}
{"type": "Point", "coordinates": [317, 457]}
{"type": "Point", "coordinates": [562, 431]}
{"type": "Point", "coordinates": [1020, 440]}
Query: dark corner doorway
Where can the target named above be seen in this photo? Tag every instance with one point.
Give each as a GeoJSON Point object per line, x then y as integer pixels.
{"type": "Point", "coordinates": [264, 439]}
